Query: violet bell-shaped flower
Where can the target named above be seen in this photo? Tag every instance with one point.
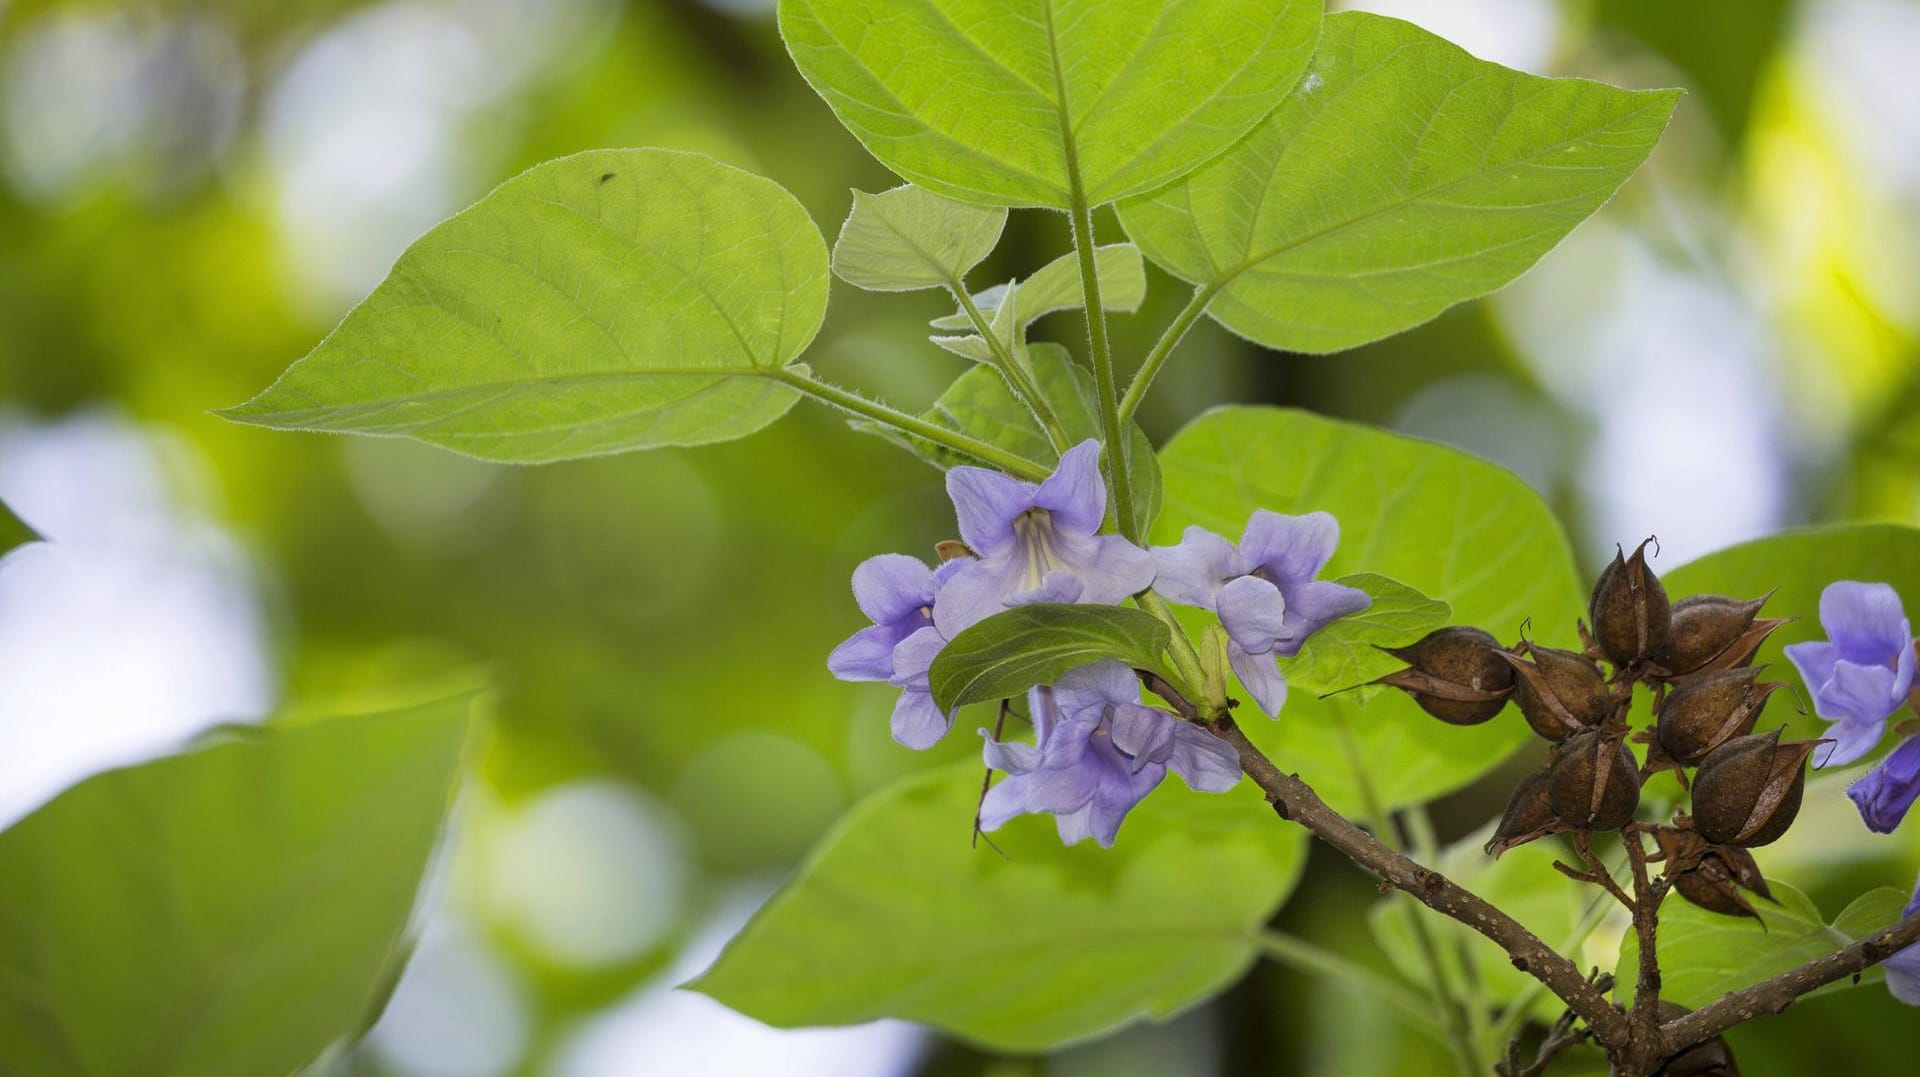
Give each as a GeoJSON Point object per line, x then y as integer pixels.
{"type": "Point", "coordinates": [1888, 791]}
{"type": "Point", "coordinates": [1263, 589]}
{"type": "Point", "coordinates": [1098, 751]}
{"type": "Point", "coordinates": [897, 594]}
{"type": "Point", "coordinates": [1862, 671]}
{"type": "Point", "coordinates": [1036, 543]}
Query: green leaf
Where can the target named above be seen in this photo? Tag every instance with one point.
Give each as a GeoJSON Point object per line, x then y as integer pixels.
{"type": "Point", "coordinates": [1444, 523]}
{"type": "Point", "coordinates": [1704, 956]}
{"type": "Point", "coordinates": [612, 300]}
{"type": "Point", "coordinates": [980, 405]}
{"type": "Point", "coordinates": [1010, 652]}
{"type": "Point", "coordinates": [1401, 177]}
{"type": "Point", "coordinates": [894, 915]}
{"type": "Point", "coordinates": [1002, 102]}
{"type": "Point", "coordinates": [1347, 652]}
{"type": "Point", "coordinates": [907, 238]}
{"type": "Point", "coordinates": [13, 531]}
{"type": "Point", "coordinates": [230, 910]}
{"type": "Point", "coordinates": [1796, 566]}
{"type": "Point", "coordinates": [1056, 287]}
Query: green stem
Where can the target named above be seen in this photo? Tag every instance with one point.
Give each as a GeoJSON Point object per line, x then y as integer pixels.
{"type": "Point", "coordinates": [1014, 373]}
{"type": "Point", "coordinates": [1186, 660]}
{"type": "Point", "coordinates": [1298, 953]}
{"type": "Point", "coordinates": [1112, 430]}
{"type": "Point", "coordinates": [848, 400]}
{"type": "Point", "coordinates": [1157, 358]}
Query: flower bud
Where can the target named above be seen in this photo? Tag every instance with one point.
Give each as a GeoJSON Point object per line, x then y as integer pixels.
{"type": "Point", "coordinates": [1710, 1059]}
{"type": "Point", "coordinates": [1711, 876]}
{"type": "Point", "coordinates": [1594, 783]}
{"type": "Point", "coordinates": [1711, 632]}
{"type": "Point", "coordinates": [1709, 710]}
{"type": "Point", "coordinates": [1455, 674]}
{"type": "Point", "coordinates": [1529, 815]}
{"type": "Point", "coordinates": [1629, 610]}
{"type": "Point", "coordinates": [1748, 790]}
{"type": "Point", "coordinates": [1559, 693]}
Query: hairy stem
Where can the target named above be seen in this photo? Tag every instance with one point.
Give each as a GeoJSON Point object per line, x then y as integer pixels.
{"type": "Point", "coordinates": [848, 400]}
{"type": "Point", "coordinates": [1015, 374]}
{"type": "Point", "coordinates": [1157, 358]}
{"type": "Point", "coordinates": [1113, 431]}
{"type": "Point", "coordinates": [1300, 954]}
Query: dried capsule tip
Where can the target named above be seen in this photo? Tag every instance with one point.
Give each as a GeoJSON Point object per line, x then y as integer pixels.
{"type": "Point", "coordinates": [1629, 610]}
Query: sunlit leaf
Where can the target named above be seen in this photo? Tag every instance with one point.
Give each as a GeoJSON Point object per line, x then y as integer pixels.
{"type": "Point", "coordinates": [908, 238]}
{"type": "Point", "coordinates": [1056, 287]}
{"type": "Point", "coordinates": [1445, 523]}
{"type": "Point", "coordinates": [612, 300]}
{"type": "Point", "coordinates": [1011, 651]}
{"type": "Point", "coordinates": [1001, 102]}
{"type": "Point", "coordinates": [230, 910]}
{"type": "Point", "coordinates": [1347, 652]}
{"type": "Point", "coordinates": [13, 531]}
{"type": "Point", "coordinates": [1401, 177]}
{"type": "Point", "coordinates": [895, 915]}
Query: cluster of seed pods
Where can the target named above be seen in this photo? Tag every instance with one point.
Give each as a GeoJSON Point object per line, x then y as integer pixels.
{"type": "Point", "coordinates": [1695, 657]}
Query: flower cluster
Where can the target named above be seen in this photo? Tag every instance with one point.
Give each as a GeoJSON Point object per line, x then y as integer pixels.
{"type": "Point", "coordinates": [1098, 749]}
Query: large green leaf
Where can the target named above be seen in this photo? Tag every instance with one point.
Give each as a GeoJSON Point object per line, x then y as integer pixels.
{"type": "Point", "coordinates": [13, 531]}
{"type": "Point", "coordinates": [894, 915]}
{"type": "Point", "coordinates": [906, 239]}
{"type": "Point", "coordinates": [227, 912]}
{"type": "Point", "coordinates": [1003, 101]}
{"type": "Point", "coordinates": [612, 300]}
{"type": "Point", "coordinates": [1011, 651]}
{"type": "Point", "coordinates": [1402, 177]}
{"type": "Point", "coordinates": [980, 405]}
{"type": "Point", "coordinates": [1444, 523]}
{"type": "Point", "coordinates": [1704, 955]}
{"type": "Point", "coordinates": [1796, 566]}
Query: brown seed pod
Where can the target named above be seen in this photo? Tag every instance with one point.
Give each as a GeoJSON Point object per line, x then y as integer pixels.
{"type": "Point", "coordinates": [1747, 791]}
{"type": "Point", "coordinates": [1529, 815]}
{"type": "Point", "coordinates": [1708, 875]}
{"type": "Point", "coordinates": [1710, 1059]}
{"type": "Point", "coordinates": [1594, 783]}
{"type": "Point", "coordinates": [1629, 610]}
{"type": "Point", "coordinates": [1559, 693]}
{"type": "Point", "coordinates": [1704, 627]}
{"type": "Point", "coordinates": [1708, 710]}
{"type": "Point", "coordinates": [1455, 675]}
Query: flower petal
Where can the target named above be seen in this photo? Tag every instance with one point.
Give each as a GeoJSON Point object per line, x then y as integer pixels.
{"type": "Point", "coordinates": [1889, 790]}
{"type": "Point", "coordinates": [1263, 680]}
{"type": "Point", "coordinates": [1096, 684]}
{"type": "Point", "coordinates": [914, 657]}
{"type": "Point", "coordinates": [1852, 738]}
{"type": "Point", "coordinates": [1117, 797]}
{"type": "Point", "coordinates": [976, 591]}
{"type": "Point", "coordinates": [867, 655]}
{"type": "Point", "coordinates": [1815, 661]}
{"type": "Point", "coordinates": [1292, 548]}
{"type": "Point", "coordinates": [1205, 761]}
{"type": "Point", "coordinates": [1862, 693]}
{"type": "Point", "coordinates": [985, 503]}
{"type": "Point", "coordinates": [1191, 573]}
{"type": "Point", "coordinates": [1253, 613]}
{"type": "Point", "coordinates": [1006, 799]}
{"type": "Point", "coordinates": [917, 722]}
{"type": "Point", "coordinates": [1110, 568]}
{"type": "Point", "coordinates": [1143, 733]}
{"type": "Point", "coordinates": [1075, 826]}
{"type": "Point", "coordinates": [1075, 493]}
{"type": "Point", "coordinates": [1055, 586]}
{"type": "Point", "coordinates": [1865, 621]}
{"type": "Point", "coordinates": [892, 587]}
{"type": "Point", "coordinates": [1903, 968]}
{"type": "Point", "coordinates": [1311, 606]}
{"type": "Point", "coordinates": [1011, 755]}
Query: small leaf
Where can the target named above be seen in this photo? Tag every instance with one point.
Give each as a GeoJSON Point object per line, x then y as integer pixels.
{"type": "Point", "coordinates": [980, 405]}
{"type": "Point", "coordinates": [1705, 956]}
{"type": "Point", "coordinates": [612, 300]}
{"type": "Point", "coordinates": [13, 531]}
{"type": "Point", "coordinates": [894, 915]}
{"type": "Point", "coordinates": [1401, 177]}
{"type": "Point", "coordinates": [1347, 652]}
{"type": "Point", "coordinates": [908, 238]}
{"type": "Point", "coordinates": [230, 910]}
{"type": "Point", "coordinates": [1010, 652]}
{"type": "Point", "coordinates": [1056, 287]}
{"type": "Point", "coordinates": [1016, 103]}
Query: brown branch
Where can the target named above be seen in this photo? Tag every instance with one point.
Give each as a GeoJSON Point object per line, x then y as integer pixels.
{"type": "Point", "coordinates": [1294, 800]}
{"type": "Point", "coordinates": [1778, 993]}
{"type": "Point", "coordinates": [1647, 896]}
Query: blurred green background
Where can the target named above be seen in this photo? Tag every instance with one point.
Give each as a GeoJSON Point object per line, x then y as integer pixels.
{"type": "Point", "coordinates": [192, 194]}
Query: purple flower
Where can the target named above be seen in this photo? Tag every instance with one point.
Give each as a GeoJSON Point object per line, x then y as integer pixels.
{"type": "Point", "coordinates": [1264, 590]}
{"type": "Point", "coordinates": [897, 592]}
{"type": "Point", "coordinates": [1098, 751]}
{"type": "Point", "coordinates": [1888, 790]}
{"type": "Point", "coordinates": [1862, 672]}
{"type": "Point", "coordinates": [1903, 968]}
{"type": "Point", "coordinates": [1037, 543]}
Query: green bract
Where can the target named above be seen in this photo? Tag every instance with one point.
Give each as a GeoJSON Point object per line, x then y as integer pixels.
{"type": "Point", "coordinates": [231, 910]}
{"type": "Point", "coordinates": [1401, 177]}
{"type": "Point", "coordinates": [1049, 102]}
{"type": "Point", "coordinates": [1439, 520]}
{"type": "Point", "coordinates": [617, 299]}
{"type": "Point", "coordinates": [906, 239]}
{"type": "Point", "coordinates": [896, 915]}
{"type": "Point", "coordinates": [1010, 652]}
